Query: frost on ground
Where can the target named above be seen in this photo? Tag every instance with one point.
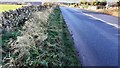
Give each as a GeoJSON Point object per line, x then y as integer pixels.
{"type": "Point", "coordinates": [34, 32]}
{"type": "Point", "coordinates": [43, 40]}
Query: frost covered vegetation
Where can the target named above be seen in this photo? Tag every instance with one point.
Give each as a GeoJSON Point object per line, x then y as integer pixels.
{"type": "Point", "coordinates": [43, 40]}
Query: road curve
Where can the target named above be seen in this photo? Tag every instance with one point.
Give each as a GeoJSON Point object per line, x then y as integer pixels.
{"type": "Point", "coordinates": [95, 41]}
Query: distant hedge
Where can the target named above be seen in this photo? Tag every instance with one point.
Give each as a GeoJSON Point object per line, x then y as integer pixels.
{"type": "Point", "coordinates": [94, 3]}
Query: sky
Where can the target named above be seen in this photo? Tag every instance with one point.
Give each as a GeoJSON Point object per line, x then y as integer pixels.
{"type": "Point", "coordinates": [50, 0]}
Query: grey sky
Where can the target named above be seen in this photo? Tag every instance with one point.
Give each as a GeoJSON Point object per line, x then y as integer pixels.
{"type": "Point", "coordinates": [48, 0]}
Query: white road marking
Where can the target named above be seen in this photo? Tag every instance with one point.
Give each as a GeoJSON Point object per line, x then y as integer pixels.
{"type": "Point", "coordinates": [115, 25]}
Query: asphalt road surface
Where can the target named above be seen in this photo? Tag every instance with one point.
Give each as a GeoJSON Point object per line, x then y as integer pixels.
{"type": "Point", "coordinates": [96, 42]}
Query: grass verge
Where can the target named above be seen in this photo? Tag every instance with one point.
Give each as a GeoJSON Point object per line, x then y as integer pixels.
{"type": "Point", "coordinates": [58, 34]}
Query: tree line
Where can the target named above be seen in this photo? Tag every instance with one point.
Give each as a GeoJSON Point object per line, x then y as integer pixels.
{"type": "Point", "coordinates": [98, 3]}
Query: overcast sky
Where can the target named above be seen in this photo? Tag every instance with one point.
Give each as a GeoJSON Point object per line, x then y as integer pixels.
{"type": "Point", "coordinates": [49, 0]}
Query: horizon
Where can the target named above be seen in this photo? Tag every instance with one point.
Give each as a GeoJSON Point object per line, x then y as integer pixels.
{"type": "Point", "coordinates": [67, 1]}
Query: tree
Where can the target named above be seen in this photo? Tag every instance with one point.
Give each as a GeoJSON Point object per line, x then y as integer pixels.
{"type": "Point", "coordinates": [98, 3]}
{"type": "Point", "coordinates": [95, 2]}
{"type": "Point", "coordinates": [118, 3]}
{"type": "Point", "coordinates": [82, 1]}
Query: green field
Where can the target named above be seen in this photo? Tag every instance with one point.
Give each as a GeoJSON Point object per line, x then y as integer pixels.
{"type": "Point", "coordinates": [6, 7]}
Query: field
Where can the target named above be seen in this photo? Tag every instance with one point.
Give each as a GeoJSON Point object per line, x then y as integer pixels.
{"type": "Point", "coordinates": [6, 7]}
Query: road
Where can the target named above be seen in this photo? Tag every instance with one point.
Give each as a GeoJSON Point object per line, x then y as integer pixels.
{"type": "Point", "coordinates": [96, 42]}
{"type": "Point", "coordinates": [108, 19]}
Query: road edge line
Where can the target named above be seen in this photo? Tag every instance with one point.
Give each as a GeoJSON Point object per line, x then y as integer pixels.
{"type": "Point", "coordinates": [114, 25]}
